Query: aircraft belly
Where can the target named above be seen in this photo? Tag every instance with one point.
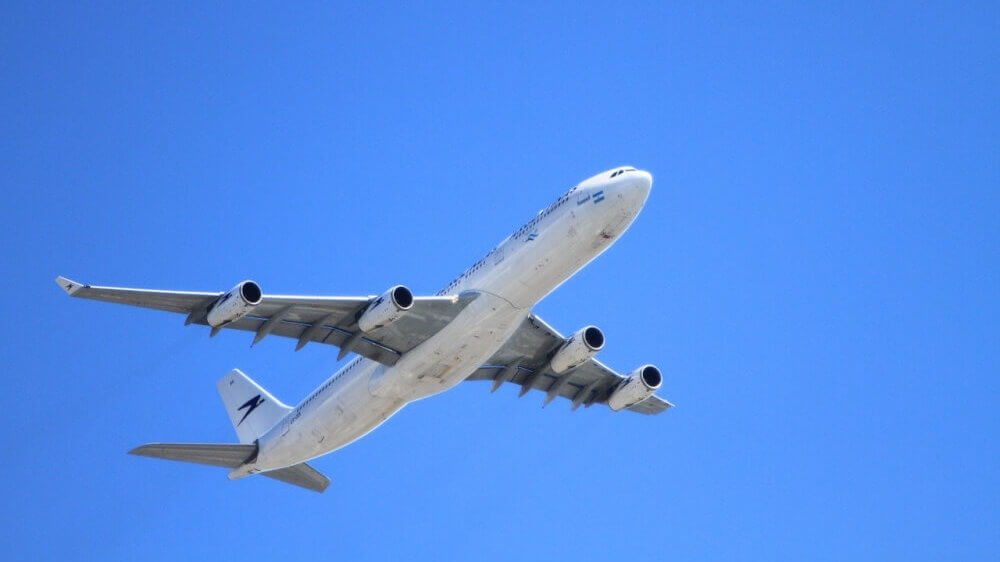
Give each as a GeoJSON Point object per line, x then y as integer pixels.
{"type": "Point", "coordinates": [349, 414]}
{"type": "Point", "coordinates": [454, 353]}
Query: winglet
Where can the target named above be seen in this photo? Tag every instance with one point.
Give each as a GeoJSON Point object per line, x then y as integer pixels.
{"type": "Point", "coordinates": [68, 285]}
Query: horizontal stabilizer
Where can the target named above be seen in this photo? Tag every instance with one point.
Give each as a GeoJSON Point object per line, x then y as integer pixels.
{"type": "Point", "coordinates": [226, 455]}
{"type": "Point", "coordinates": [300, 475]}
{"type": "Point", "coordinates": [229, 455]}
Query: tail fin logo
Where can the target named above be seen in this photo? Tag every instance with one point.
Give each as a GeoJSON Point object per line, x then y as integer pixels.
{"type": "Point", "coordinates": [250, 405]}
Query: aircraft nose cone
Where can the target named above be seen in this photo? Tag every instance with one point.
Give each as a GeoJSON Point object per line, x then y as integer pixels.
{"type": "Point", "coordinates": [644, 181]}
{"type": "Point", "coordinates": [638, 187]}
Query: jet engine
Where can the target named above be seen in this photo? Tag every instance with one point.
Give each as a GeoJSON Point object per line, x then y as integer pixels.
{"type": "Point", "coordinates": [640, 385]}
{"type": "Point", "coordinates": [578, 348]}
{"type": "Point", "coordinates": [386, 309]}
{"type": "Point", "coordinates": [235, 304]}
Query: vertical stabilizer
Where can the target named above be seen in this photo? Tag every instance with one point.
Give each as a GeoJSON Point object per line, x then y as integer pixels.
{"type": "Point", "coordinates": [252, 409]}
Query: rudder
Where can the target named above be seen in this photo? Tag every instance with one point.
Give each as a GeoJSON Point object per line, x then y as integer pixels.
{"type": "Point", "coordinates": [252, 409]}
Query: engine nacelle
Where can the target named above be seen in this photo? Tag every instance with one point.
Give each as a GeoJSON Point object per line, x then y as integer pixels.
{"type": "Point", "coordinates": [581, 346]}
{"type": "Point", "coordinates": [235, 304]}
{"type": "Point", "coordinates": [386, 309]}
{"type": "Point", "coordinates": [640, 385]}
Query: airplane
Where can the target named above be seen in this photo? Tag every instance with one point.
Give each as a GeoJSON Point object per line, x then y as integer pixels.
{"type": "Point", "coordinates": [480, 327]}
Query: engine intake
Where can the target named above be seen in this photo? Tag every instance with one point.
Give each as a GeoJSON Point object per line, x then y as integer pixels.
{"type": "Point", "coordinates": [581, 346]}
{"type": "Point", "coordinates": [640, 385]}
{"type": "Point", "coordinates": [386, 309]}
{"type": "Point", "coordinates": [235, 304]}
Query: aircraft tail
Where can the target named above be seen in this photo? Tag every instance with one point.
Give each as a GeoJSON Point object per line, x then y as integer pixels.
{"type": "Point", "coordinates": [252, 409]}
{"type": "Point", "coordinates": [253, 412]}
{"type": "Point", "coordinates": [233, 456]}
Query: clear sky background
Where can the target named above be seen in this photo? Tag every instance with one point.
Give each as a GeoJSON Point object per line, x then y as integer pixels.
{"type": "Point", "coordinates": [816, 272]}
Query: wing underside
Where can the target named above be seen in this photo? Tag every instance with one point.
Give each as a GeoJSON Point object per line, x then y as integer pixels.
{"type": "Point", "coordinates": [325, 320]}
{"type": "Point", "coordinates": [523, 360]}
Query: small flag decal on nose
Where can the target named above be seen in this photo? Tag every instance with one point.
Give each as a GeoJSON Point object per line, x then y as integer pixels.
{"type": "Point", "coordinates": [598, 196]}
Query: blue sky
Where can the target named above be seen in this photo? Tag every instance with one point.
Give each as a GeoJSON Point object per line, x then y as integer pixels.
{"type": "Point", "coordinates": [816, 273]}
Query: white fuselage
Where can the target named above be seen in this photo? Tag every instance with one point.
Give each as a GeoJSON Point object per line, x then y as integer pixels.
{"type": "Point", "coordinates": [514, 276]}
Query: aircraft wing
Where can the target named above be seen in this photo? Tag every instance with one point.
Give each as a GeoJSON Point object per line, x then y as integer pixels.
{"type": "Point", "coordinates": [524, 359]}
{"type": "Point", "coordinates": [328, 320]}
